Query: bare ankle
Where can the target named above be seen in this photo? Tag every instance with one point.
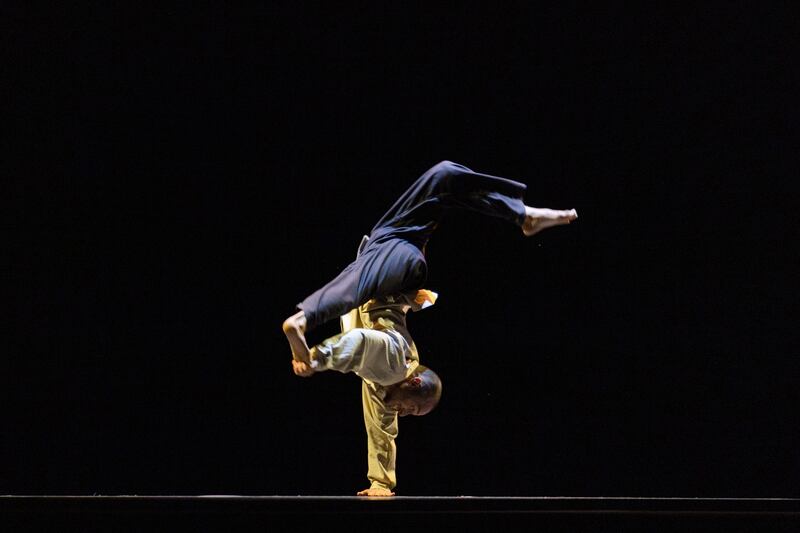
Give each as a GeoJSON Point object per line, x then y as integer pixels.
{"type": "Point", "coordinates": [296, 322]}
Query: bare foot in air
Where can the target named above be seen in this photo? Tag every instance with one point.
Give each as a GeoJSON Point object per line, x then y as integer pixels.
{"type": "Point", "coordinates": [294, 328]}
{"type": "Point", "coordinates": [537, 219]}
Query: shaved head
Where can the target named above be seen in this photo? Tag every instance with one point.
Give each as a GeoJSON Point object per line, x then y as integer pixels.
{"type": "Point", "coordinates": [417, 395]}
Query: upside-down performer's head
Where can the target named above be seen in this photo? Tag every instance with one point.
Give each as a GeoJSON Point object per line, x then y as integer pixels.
{"type": "Point", "coordinates": [416, 395]}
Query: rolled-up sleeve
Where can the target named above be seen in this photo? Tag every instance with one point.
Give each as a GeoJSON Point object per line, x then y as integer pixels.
{"type": "Point", "coordinates": [343, 352]}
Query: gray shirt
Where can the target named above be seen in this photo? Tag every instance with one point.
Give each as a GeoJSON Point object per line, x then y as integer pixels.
{"type": "Point", "coordinates": [375, 345]}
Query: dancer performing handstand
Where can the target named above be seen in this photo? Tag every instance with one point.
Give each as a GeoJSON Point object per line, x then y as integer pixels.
{"type": "Point", "coordinates": [373, 294]}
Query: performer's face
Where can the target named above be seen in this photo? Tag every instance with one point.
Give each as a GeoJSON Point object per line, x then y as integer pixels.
{"type": "Point", "coordinates": [404, 407]}
{"type": "Point", "coordinates": [404, 398]}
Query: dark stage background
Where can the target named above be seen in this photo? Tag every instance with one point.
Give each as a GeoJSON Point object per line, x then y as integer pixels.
{"type": "Point", "coordinates": [180, 178]}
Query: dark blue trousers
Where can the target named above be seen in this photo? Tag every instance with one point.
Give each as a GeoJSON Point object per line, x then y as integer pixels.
{"type": "Point", "coordinates": [392, 260]}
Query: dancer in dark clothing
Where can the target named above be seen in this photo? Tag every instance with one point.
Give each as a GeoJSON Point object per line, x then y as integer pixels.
{"type": "Point", "coordinates": [373, 294]}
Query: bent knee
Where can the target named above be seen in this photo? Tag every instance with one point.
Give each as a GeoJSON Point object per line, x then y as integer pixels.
{"type": "Point", "coordinates": [442, 172]}
{"type": "Point", "coordinates": [445, 166]}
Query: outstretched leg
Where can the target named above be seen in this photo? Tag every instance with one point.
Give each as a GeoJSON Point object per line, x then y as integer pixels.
{"type": "Point", "coordinates": [449, 186]}
{"type": "Point", "coordinates": [538, 219]}
{"type": "Point", "coordinates": [393, 259]}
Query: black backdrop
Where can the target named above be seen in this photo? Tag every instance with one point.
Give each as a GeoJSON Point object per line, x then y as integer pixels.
{"type": "Point", "coordinates": [180, 178]}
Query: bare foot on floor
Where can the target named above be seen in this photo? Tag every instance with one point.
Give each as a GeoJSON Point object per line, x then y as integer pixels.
{"type": "Point", "coordinates": [537, 219]}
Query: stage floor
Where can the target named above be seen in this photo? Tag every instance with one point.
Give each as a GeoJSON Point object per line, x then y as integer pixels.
{"type": "Point", "coordinates": [353, 513]}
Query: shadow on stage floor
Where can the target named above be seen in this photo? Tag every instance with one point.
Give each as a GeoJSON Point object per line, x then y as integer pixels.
{"type": "Point", "coordinates": [350, 513]}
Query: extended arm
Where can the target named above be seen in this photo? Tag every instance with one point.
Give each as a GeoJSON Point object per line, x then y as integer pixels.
{"type": "Point", "coordinates": [380, 421]}
{"type": "Point", "coordinates": [382, 429]}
